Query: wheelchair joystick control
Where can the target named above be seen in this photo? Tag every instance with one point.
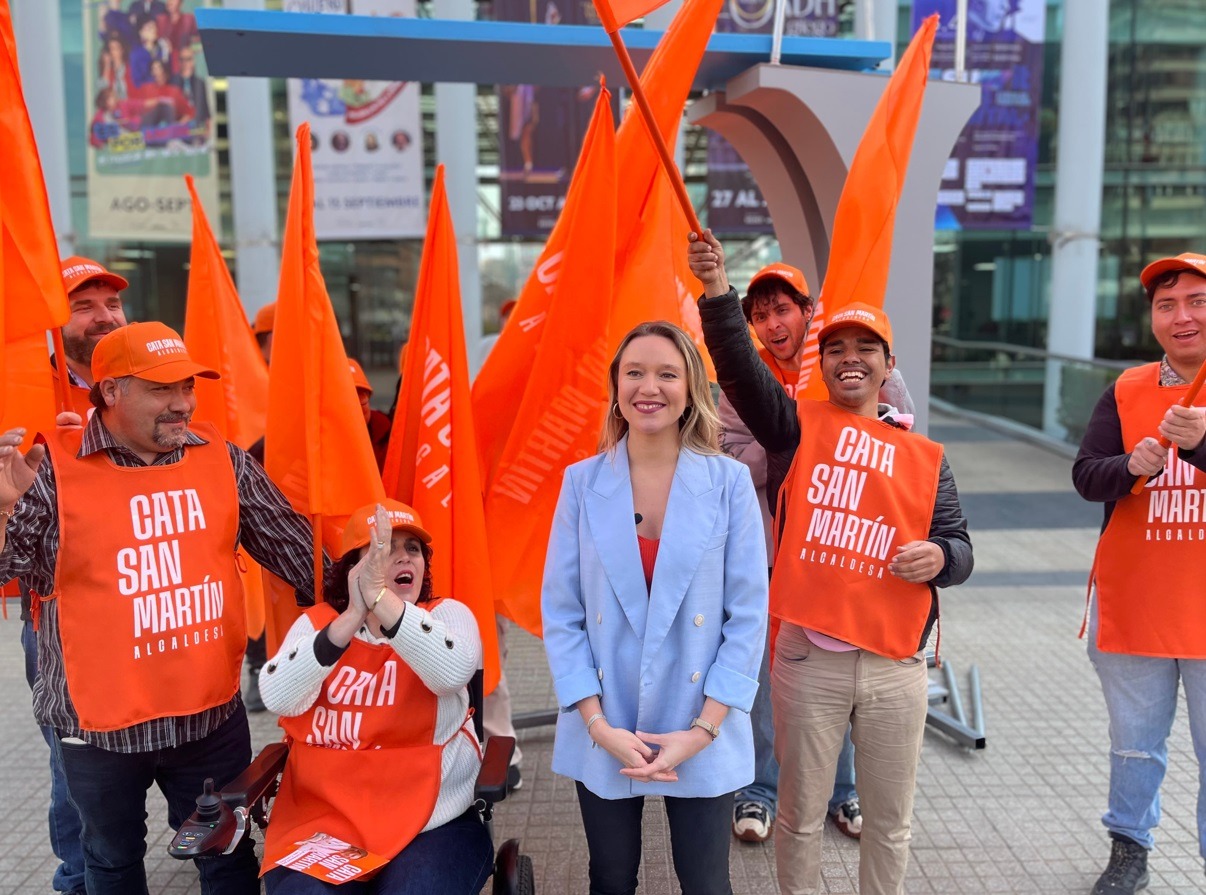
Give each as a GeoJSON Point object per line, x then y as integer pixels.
{"type": "Point", "coordinates": [212, 829]}
{"type": "Point", "coordinates": [209, 805]}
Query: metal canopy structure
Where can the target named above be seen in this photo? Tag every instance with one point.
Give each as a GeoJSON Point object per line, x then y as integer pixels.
{"type": "Point", "coordinates": [256, 43]}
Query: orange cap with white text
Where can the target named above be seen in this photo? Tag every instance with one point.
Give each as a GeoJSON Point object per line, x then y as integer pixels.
{"type": "Point", "coordinates": [78, 270]}
{"type": "Point", "coordinates": [1185, 261]}
{"type": "Point", "coordinates": [859, 314]}
{"type": "Point", "coordinates": [793, 276]}
{"type": "Point", "coordinates": [402, 518]}
{"type": "Point", "coordinates": [148, 350]}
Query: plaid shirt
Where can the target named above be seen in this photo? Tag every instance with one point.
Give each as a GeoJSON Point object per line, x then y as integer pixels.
{"type": "Point", "coordinates": [276, 536]}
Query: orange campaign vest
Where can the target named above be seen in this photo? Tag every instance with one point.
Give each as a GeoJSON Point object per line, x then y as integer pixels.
{"type": "Point", "coordinates": [363, 764]}
{"type": "Point", "coordinates": [857, 489]}
{"type": "Point", "coordinates": [150, 604]}
{"type": "Point", "coordinates": [1148, 567]}
{"type": "Point", "coordinates": [785, 379]}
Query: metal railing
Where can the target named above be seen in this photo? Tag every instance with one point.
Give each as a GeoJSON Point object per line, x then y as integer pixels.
{"type": "Point", "coordinates": [1015, 381]}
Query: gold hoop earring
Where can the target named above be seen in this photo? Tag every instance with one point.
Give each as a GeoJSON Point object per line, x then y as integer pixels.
{"type": "Point", "coordinates": [615, 411]}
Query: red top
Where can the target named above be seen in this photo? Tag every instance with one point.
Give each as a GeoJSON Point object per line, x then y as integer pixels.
{"type": "Point", "coordinates": [648, 548]}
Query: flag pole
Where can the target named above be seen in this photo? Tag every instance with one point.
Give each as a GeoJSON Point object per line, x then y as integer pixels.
{"type": "Point", "coordinates": [62, 377]}
{"type": "Point", "coordinates": [1194, 388]}
{"type": "Point", "coordinates": [316, 522]}
{"type": "Point", "coordinates": [676, 178]}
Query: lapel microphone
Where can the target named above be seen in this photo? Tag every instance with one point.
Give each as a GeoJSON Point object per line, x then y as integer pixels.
{"type": "Point", "coordinates": [638, 517]}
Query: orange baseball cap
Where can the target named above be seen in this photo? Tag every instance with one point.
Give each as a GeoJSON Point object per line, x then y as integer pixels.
{"type": "Point", "coordinates": [149, 350]}
{"type": "Point", "coordinates": [78, 270]}
{"type": "Point", "coordinates": [1185, 261]}
{"type": "Point", "coordinates": [859, 314]}
{"type": "Point", "coordinates": [780, 271]}
{"type": "Point", "coordinates": [401, 517]}
{"type": "Point", "coordinates": [358, 377]}
{"type": "Point", "coordinates": [265, 318]}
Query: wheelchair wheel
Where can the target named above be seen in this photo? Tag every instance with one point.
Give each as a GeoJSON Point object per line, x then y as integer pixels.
{"type": "Point", "coordinates": [513, 874]}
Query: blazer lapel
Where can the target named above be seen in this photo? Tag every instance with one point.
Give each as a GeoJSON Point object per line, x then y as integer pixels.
{"type": "Point", "coordinates": [690, 517]}
{"type": "Point", "coordinates": [609, 514]}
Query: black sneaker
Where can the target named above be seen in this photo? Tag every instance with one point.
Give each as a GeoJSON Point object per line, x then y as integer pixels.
{"type": "Point", "coordinates": [1127, 871]}
{"type": "Point", "coordinates": [752, 821]}
{"type": "Point", "coordinates": [514, 779]}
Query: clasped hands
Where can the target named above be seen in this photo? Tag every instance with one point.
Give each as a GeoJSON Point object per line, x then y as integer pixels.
{"type": "Point", "coordinates": [642, 763]}
{"type": "Point", "coordinates": [1183, 426]}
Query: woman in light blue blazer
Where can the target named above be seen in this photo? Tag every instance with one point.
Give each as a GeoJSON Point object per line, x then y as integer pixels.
{"type": "Point", "coordinates": [655, 607]}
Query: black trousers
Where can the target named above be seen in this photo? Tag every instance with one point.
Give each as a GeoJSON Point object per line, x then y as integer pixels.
{"type": "Point", "coordinates": [699, 842]}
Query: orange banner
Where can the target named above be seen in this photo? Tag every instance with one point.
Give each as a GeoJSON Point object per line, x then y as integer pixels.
{"type": "Point", "coordinates": [558, 419]}
{"type": "Point", "coordinates": [217, 335]}
{"type": "Point", "coordinates": [860, 252]}
{"type": "Point", "coordinates": [432, 461]}
{"type": "Point", "coordinates": [615, 14]}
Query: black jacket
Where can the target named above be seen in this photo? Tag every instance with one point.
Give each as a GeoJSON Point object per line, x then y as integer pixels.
{"type": "Point", "coordinates": [770, 415]}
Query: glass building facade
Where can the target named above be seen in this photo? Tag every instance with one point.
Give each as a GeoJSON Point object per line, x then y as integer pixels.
{"type": "Point", "coordinates": [989, 286]}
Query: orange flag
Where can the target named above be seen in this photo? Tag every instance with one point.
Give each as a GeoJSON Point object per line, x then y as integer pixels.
{"type": "Point", "coordinates": [31, 286]}
{"type": "Point", "coordinates": [317, 447]}
{"type": "Point", "coordinates": [217, 335]}
{"type": "Point", "coordinates": [558, 419]}
{"type": "Point", "coordinates": [667, 80]}
{"type": "Point", "coordinates": [432, 459]}
{"type": "Point", "coordinates": [860, 251]}
{"type": "Point", "coordinates": [615, 14]}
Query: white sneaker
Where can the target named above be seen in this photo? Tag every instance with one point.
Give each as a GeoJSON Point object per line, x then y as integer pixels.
{"type": "Point", "coordinates": [849, 818]}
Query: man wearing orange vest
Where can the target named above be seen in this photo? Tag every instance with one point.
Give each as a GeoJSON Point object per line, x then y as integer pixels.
{"type": "Point", "coordinates": [868, 525]}
{"type": "Point", "coordinates": [1147, 622]}
{"type": "Point", "coordinates": [126, 531]}
{"type": "Point", "coordinates": [94, 296]}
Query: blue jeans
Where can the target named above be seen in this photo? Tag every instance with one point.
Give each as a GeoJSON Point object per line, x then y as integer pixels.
{"type": "Point", "coordinates": [64, 820]}
{"type": "Point", "coordinates": [455, 859]}
{"type": "Point", "coordinates": [110, 790]}
{"type": "Point", "coordinates": [1141, 699]}
{"type": "Point", "coordinates": [765, 788]}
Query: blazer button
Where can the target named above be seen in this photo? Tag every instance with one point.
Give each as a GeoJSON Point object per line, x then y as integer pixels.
{"type": "Point", "coordinates": [695, 678]}
{"type": "Point", "coordinates": [600, 674]}
{"type": "Point", "coordinates": [698, 620]}
{"type": "Point", "coordinates": [599, 618]}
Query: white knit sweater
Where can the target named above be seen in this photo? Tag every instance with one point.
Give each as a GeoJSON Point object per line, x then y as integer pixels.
{"type": "Point", "coordinates": [291, 681]}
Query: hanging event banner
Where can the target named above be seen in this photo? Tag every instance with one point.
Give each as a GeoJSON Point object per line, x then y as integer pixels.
{"type": "Point", "coordinates": [989, 180]}
{"type": "Point", "coordinates": [149, 119]}
{"type": "Point", "coordinates": [366, 143]}
{"type": "Point", "coordinates": [540, 130]}
{"type": "Point", "coordinates": [735, 204]}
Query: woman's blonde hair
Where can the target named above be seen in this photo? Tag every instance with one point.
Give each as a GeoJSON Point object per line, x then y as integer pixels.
{"type": "Point", "coordinates": [699, 427]}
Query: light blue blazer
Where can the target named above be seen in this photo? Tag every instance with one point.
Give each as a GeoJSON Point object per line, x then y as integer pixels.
{"type": "Point", "coordinates": [653, 655]}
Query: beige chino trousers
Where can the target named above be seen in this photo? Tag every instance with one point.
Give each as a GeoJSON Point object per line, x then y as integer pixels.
{"type": "Point", "coordinates": [815, 693]}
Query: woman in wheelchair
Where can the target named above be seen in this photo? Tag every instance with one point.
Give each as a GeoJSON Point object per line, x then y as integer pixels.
{"type": "Point", "coordinates": [371, 689]}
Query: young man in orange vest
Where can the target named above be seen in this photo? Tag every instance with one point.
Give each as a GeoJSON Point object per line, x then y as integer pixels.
{"type": "Point", "coordinates": [778, 307]}
{"type": "Point", "coordinates": [126, 532]}
{"type": "Point", "coordinates": [1147, 623]}
{"type": "Point", "coordinates": [868, 525]}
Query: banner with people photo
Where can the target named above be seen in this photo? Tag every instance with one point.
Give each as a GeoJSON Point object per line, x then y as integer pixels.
{"type": "Point", "coordinates": [366, 142]}
{"type": "Point", "coordinates": [735, 204]}
{"type": "Point", "coordinates": [150, 118]}
{"type": "Point", "coordinates": [540, 129]}
{"type": "Point", "coordinates": [989, 180]}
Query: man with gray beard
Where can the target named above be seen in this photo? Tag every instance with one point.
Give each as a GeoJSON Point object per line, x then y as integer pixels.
{"type": "Point", "coordinates": [127, 539]}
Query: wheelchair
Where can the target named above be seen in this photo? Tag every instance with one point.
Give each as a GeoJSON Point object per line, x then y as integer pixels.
{"type": "Point", "coordinates": [222, 818]}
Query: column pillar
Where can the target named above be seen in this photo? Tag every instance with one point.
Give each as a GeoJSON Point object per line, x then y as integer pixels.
{"type": "Point", "coordinates": [456, 149]}
{"type": "Point", "coordinates": [36, 27]}
{"type": "Point", "coordinates": [1080, 159]}
{"type": "Point", "coordinates": [253, 184]}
